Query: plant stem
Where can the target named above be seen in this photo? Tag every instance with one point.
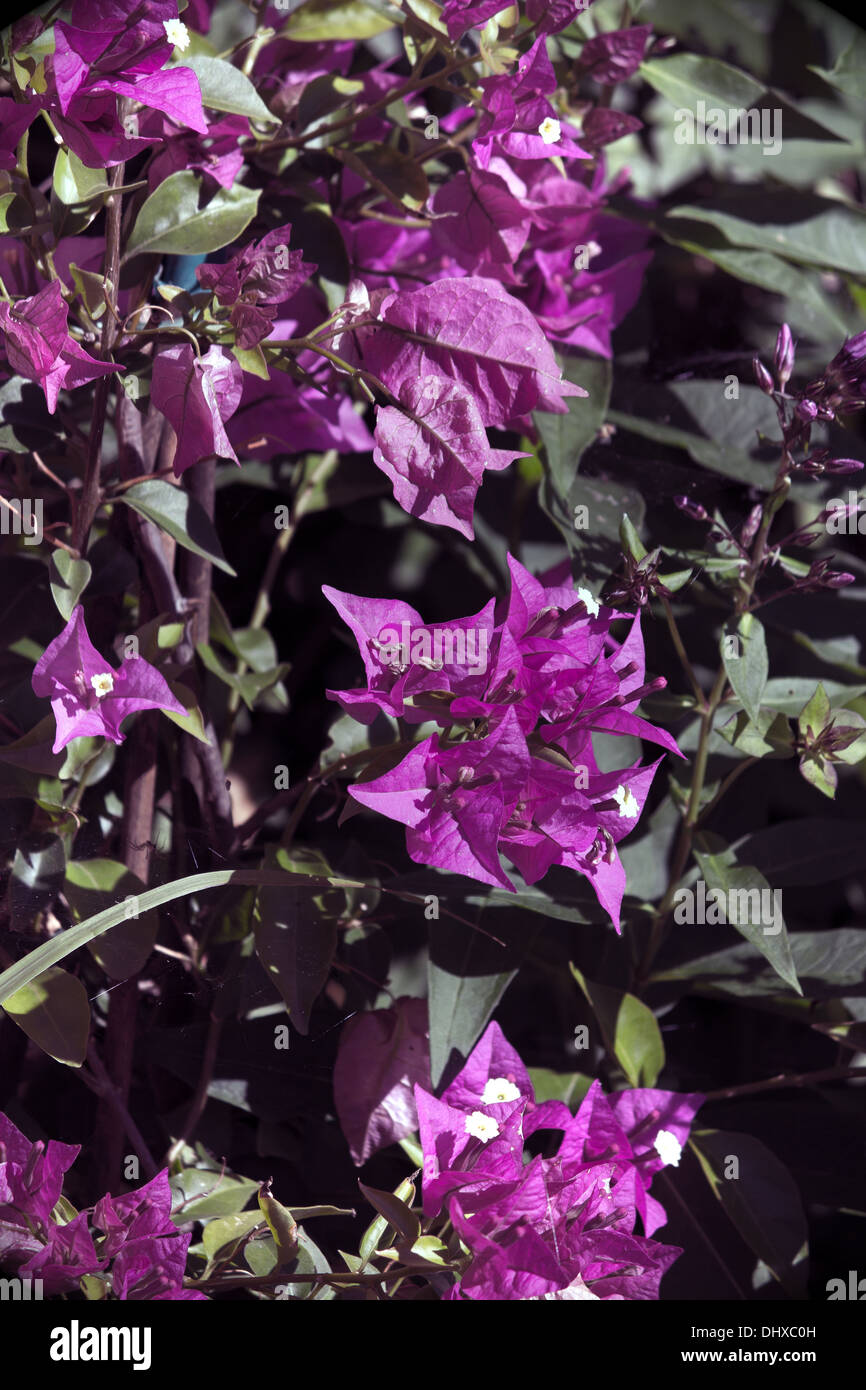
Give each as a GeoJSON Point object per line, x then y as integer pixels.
{"type": "Point", "coordinates": [782, 1081]}
{"type": "Point", "coordinates": [262, 605]}
{"type": "Point", "coordinates": [681, 651]}
{"type": "Point", "coordinates": [687, 830]}
{"type": "Point", "coordinates": [89, 500]}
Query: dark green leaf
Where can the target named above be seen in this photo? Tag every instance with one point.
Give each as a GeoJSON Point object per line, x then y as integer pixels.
{"type": "Point", "coordinates": [54, 1012]}
{"type": "Point", "coordinates": [171, 220]}
{"type": "Point", "coordinates": [184, 518]}
{"type": "Point", "coordinates": [762, 1201]}
{"type": "Point", "coordinates": [94, 884]}
{"type": "Point", "coordinates": [295, 942]}
{"type": "Point", "coordinates": [37, 876]}
{"type": "Point", "coordinates": [722, 874]}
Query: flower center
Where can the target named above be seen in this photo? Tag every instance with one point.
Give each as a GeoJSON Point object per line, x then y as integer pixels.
{"type": "Point", "coordinates": [103, 684]}
{"type": "Point", "coordinates": [177, 33]}
{"type": "Point", "coordinates": [499, 1089]}
{"type": "Point", "coordinates": [481, 1126]}
{"type": "Point", "coordinates": [627, 802]}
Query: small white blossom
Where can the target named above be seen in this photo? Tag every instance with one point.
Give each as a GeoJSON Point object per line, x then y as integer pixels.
{"type": "Point", "coordinates": [498, 1089]}
{"type": "Point", "coordinates": [589, 603]}
{"type": "Point", "coordinates": [606, 1185]}
{"type": "Point", "coordinates": [668, 1147]}
{"type": "Point", "coordinates": [481, 1126]}
{"type": "Point", "coordinates": [102, 684]}
{"type": "Point", "coordinates": [177, 33]}
{"type": "Point", "coordinates": [550, 130]}
{"type": "Point", "coordinates": [627, 803]}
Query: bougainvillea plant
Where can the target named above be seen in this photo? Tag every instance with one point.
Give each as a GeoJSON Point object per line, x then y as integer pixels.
{"type": "Point", "coordinates": [319, 323]}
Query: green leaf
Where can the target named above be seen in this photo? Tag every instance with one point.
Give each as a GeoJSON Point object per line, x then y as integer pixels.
{"type": "Point", "coordinates": [37, 876]}
{"type": "Point", "coordinates": [630, 1030]}
{"type": "Point", "coordinates": [566, 437]}
{"type": "Point", "coordinates": [94, 884]}
{"type": "Point", "coordinates": [687, 78]}
{"type": "Point", "coordinates": [790, 693]}
{"type": "Point", "coordinates": [208, 1194]}
{"type": "Point", "coordinates": [815, 714]}
{"type": "Point", "coordinates": [91, 287]}
{"type": "Point", "coordinates": [252, 360]}
{"type": "Point", "coordinates": [64, 943]}
{"type": "Point", "coordinates": [467, 974]}
{"type": "Point", "coordinates": [54, 1012]}
{"type": "Point", "coordinates": [69, 578]}
{"type": "Point", "coordinates": [829, 964]}
{"type": "Point", "coordinates": [396, 1211]}
{"type": "Point", "coordinates": [225, 88]}
{"type": "Point", "coordinates": [74, 182]}
{"type": "Point", "coordinates": [808, 851]}
{"type": "Point", "coordinates": [184, 518]}
{"type": "Point", "coordinates": [24, 420]}
{"type": "Point", "coordinates": [396, 176]}
{"type": "Point", "coordinates": [172, 222]}
{"type": "Point", "coordinates": [630, 540]}
{"type": "Point", "coordinates": [569, 1087]}
{"type": "Point", "coordinates": [332, 19]}
{"type": "Point", "coordinates": [769, 736]}
{"type": "Point", "coordinates": [282, 1226]}
{"type": "Point", "coordinates": [222, 1237]}
{"type": "Point", "coordinates": [191, 722]}
{"type": "Point", "coordinates": [763, 1202]}
{"type": "Point", "coordinates": [848, 74]}
{"type": "Point", "coordinates": [744, 653]}
{"type": "Point", "coordinates": [296, 945]}
{"type": "Point", "coordinates": [799, 225]}
{"type": "Point", "coordinates": [722, 874]}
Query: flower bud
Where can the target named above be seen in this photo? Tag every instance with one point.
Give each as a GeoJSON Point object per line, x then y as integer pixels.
{"type": "Point", "coordinates": [843, 466]}
{"type": "Point", "coordinates": [784, 358]}
{"type": "Point", "coordinates": [806, 411]}
{"type": "Point", "coordinates": [692, 509]}
{"type": "Point", "coordinates": [837, 579]}
{"type": "Point", "coordinates": [762, 376]}
{"type": "Point", "coordinates": [751, 524]}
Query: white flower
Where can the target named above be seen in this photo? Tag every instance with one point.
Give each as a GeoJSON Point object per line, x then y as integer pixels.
{"type": "Point", "coordinates": [177, 33]}
{"type": "Point", "coordinates": [625, 800]}
{"type": "Point", "coordinates": [481, 1126]}
{"type": "Point", "coordinates": [606, 1185]}
{"type": "Point", "coordinates": [589, 603]}
{"type": "Point", "coordinates": [498, 1089]}
{"type": "Point", "coordinates": [550, 130]}
{"type": "Point", "coordinates": [668, 1147]}
{"type": "Point", "coordinates": [102, 684]}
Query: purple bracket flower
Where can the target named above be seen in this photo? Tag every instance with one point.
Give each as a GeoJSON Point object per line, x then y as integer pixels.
{"type": "Point", "coordinates": [88, 696]}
